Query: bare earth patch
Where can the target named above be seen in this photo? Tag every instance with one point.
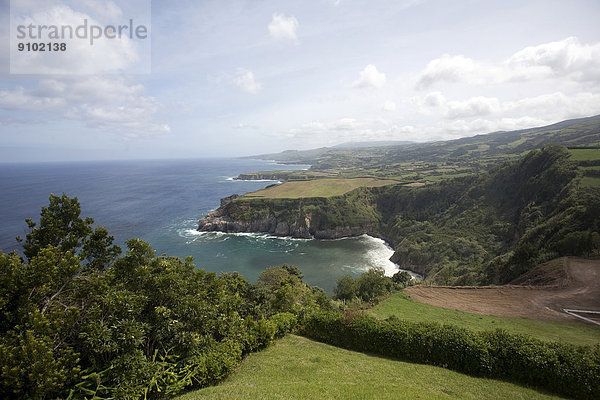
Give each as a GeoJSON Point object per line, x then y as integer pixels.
{"type": "Point", "coordinates": [581, 291]}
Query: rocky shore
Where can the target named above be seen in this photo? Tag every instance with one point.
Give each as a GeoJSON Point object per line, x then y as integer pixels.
{"type": "Point", "coordinates": [228, 219]}
{"type": "Point", "coordinates": [218, 221]}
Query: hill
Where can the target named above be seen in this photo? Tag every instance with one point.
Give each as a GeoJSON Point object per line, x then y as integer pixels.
{"type": "Point", "coordinates": [485, 147]}
{"type": "Point", "coordinates": [483, 228]}
{"type": "Point", "coordinates": [407, 307]}
{"type": "Point", "coordinates": [434, 161]}
{"type": "Point", "coordinates": [299, 368]}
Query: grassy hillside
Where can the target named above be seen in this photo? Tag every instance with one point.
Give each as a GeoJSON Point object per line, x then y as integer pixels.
{"type": "Point", "coordinates": [430, 162]}
{"type": "Point", "coordinates": [298, 368]}
{"type": "Point", "coordinates": [588, 160]}
{"type": "Point", "coordinates": [317, 188]}
{"type": "Point", "coordinates": [402, 306]}
{"type": "Point", "coordinates": [482, 149]}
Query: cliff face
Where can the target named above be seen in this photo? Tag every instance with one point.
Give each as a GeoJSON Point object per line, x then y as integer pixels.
{"type": "Point", "coordinates": [320, 218]}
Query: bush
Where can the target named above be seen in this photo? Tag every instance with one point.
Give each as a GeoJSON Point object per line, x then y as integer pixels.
{"type": "Point", "coordinates": [77, 319]}
{"type": "Point", "coordinates": [284, 323]}
{"type": "Point", "coordinates": [562, 368]}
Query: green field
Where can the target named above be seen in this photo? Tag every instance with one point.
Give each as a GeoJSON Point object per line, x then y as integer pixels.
{"type": "Point", "coordinates": [584, 154]}
{"type": "Point", "coordinates": [590, 181]}
{"type": "Point", "coordinates": [299, 368]}
{"type": "Point", "coordinates": [402, 306]}
{"type": "Point", "coordinates": [317, 188]}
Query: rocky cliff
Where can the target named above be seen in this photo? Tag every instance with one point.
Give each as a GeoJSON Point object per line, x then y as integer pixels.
{"type": "Point", "coordinates": [320, 218]}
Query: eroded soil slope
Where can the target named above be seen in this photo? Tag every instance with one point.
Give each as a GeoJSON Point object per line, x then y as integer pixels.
{"type": "Point", "coordinates": [580, 289]}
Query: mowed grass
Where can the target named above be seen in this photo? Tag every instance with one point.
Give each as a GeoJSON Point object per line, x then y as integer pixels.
{"type": "Point", "coordinates": [327, 187]}
{"type": "Point", "coordinates": [298, 368]}
{"type": "Point", "coordinates": [584, 154]}
{"type": "Point", "coordinates": [590, 181]}
{"type": "Point", "coordinates": [402, 306]}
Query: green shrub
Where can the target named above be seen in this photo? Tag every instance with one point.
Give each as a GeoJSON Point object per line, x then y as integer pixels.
{"type": "Point", "coordinates": [562, 368]}
{"type": "Point", "coordinates": [284, 323]}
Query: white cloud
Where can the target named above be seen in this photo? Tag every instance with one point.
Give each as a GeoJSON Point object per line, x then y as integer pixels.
{"type": "Point", "coordinates": [318, 133]}
{"type": "Point", "coordinates": [243, 125]}
{"type": "Point", "coordinates": [246, 82]}
{"type": "Point", "coordinates": [450, 69]}
{"type": "Point", "coordinates": [389, 106]}
{"type": "Point", "coordinates": [566, 59]}
{"type": "Point", "coordinates": [102, 8]}
{"type": "Point", "coordinates": [99, 102]}
{"type": "Point", "coordinates": [462, 128]}
{"type": "Point", "coordinates": [434, 99]}
{"type": "Point", "coordinates": [21, 99]}
{"type": "Point", "coordinates": [557, 105]}
{"type": "Point", "coordinates": [282, 27]}
{"type": "Point", "coordinates": [370, 77]}
{"type": "Point", "coordinates": [104, 56]}
{"type": "Point", "coordinates": [473, 107]}
{"type": "Point", "coordinates": [129, 120]}
{"type": "Point", "coordinates": [553, 106]}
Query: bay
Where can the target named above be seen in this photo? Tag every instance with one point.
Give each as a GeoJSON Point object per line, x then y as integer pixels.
{"type": "Point", "coordinates": [160, 202]}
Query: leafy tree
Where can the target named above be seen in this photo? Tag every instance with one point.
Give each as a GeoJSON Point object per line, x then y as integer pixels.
{"type": "Point", "coordinates": [346, 288]}
{"type": "Point", "coordinates": [524, 258]}
{"type": "Point", "coordinates": [579, 243]}
{"type": "Point", "coordinates": [62, 227]}
{"type": "Point", "coordinates": [273, 277]}
{"type": "Point", "coordinates": [402, 278]}
{"type": "Point", "coordinates": [372, 284]}
{"type": "Point", "coordinates": [77, 319]}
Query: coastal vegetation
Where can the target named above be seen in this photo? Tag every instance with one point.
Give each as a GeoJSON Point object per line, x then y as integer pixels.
{"type": "Point", "coordinates": [400, 305]}
{"type": "Point", "coordinates": [485, 228]}
{"type": "Point", "coordinates": [78, 319]}
{"type": "Point", "coordinates": [321, 371]}
{"type": "Point", "coordinates": [328, 187]}
{"type": "Point", "coordinates": [559, 367]}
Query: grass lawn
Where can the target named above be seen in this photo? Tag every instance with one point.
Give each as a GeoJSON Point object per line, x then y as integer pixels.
{"type": "Point", "coordinates": [299, 368]}
{"type": "Point", "coordinates": [317, 188]}
{"type": "Point", "coordinates": [590, 181]}
{"type": "Point", "coordinates": [584, 154]}
{"type": "Point", "coordinates": [402, 306]}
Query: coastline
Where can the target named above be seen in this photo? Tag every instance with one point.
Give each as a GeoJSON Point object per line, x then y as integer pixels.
{"type": "Point", "coordinates": [389, 269]}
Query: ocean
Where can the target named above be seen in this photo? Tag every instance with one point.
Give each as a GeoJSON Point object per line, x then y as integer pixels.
{"type": "Point", "coordinates": [161, 201]}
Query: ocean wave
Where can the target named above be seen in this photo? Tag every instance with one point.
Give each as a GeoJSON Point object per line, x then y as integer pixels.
{"type": "Point", "coordinates": [381, 256]}
{"type": "Point", "coordinates": [193, 232]}
{"type": "Point", "coordinates": [377, 253]}
{"type": "Point", "coordinates": [234, 179]}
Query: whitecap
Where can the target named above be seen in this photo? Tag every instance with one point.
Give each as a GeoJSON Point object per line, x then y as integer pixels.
{"type": "Point", "coordinates": [380, 255]}
{"type": "Point", "coordinates": [277, 181]}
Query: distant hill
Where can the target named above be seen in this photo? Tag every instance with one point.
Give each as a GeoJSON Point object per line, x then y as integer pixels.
{"type": "Point", "coordinates": [304, 156]}
{"type": "Point", "coordinates": [486, 148]}
{"type": "Point", "coordinates": [380, 143]}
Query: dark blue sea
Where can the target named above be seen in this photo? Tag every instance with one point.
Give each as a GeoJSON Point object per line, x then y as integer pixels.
{"type": "Point", "coordinates": [161, 201]}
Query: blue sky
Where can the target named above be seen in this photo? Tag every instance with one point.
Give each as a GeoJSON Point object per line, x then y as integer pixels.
{"type": "Point", "coordinates": [231, 78]}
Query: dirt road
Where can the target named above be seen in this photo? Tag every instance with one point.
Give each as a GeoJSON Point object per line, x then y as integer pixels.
{"type": "Point", "coordinates": [582, 291]}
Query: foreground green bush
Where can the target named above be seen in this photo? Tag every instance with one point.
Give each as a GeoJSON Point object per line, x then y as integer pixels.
{"type": "Point", "coordinates": [78, 320]}
{"type": "Point", "coordinates": [559, 367]}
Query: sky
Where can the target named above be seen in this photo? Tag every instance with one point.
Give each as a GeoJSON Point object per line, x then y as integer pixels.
{"type": "Point", "coordinates": [227, 78]}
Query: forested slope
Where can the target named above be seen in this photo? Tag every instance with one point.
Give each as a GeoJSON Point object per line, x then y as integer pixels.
{"type": "Point", "coordinates": [492, 227]}
{"type": "Point", "coordinates": [484, 228]}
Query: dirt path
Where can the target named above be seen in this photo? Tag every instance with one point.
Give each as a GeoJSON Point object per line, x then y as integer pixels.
{"type": "Point", "coordinates": [582, 291]}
